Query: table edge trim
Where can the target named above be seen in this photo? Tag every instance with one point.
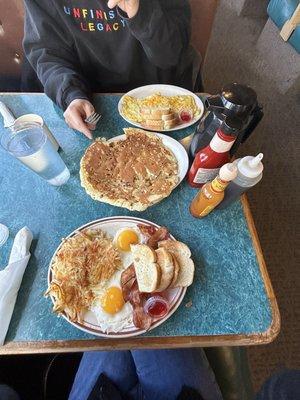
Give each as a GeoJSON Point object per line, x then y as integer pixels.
{"type": "Point", "coordinates": [64, 346]}
{"type": "Point", "coordinates": [273, 330]}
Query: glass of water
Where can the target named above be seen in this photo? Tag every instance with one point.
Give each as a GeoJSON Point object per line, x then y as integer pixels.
{"type": "Point", "coordinates": [28, 142]}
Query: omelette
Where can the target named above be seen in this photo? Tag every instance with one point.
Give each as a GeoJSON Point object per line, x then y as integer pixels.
{"type": "Point", "coordinates": [132, 106]}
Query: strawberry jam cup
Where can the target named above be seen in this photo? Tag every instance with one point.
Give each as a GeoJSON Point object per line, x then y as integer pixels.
{"type": "Point", "coordinates": [156, 306]}
{"type": "Point", "coordinates": [185, 116]}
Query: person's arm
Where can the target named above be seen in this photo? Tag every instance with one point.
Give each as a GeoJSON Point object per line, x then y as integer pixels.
{"type": "Point", "coordinates": [48, 48]}
{"type": "Point", "coordinates": [161, 26]}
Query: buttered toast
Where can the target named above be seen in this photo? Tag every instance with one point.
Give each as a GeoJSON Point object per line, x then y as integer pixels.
{"type": "Point", "coordinates": [147, 270]}
{"type": "Point", "coordinates": [167, 267]}
{"type": "Point", "coordinates": [183, 255]}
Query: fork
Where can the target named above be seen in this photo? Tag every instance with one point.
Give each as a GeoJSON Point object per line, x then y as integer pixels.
{"type": "Point", "coordinates": [93, 118]}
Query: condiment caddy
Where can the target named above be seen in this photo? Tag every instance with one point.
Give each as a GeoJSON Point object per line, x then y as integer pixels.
{"type": "Point", "coordinates": [229, 120]}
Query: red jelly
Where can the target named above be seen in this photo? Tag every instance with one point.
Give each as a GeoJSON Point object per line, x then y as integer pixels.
{"type": "Point", "coordinates": [156, 307]}
{"type": "Point", "coordinates": [185, 116]}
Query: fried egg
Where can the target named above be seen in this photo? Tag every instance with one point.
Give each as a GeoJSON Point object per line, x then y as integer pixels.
{"type": "Point", "coordinates": [123, 239]}
{"type": "Point", "coordinates": [127, 236]}
{"type": "Point", "coordinates": [112, 313]}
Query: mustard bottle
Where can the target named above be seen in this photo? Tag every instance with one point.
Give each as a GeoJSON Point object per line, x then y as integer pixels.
{"type": "Point", "coordinates": [212, 193]}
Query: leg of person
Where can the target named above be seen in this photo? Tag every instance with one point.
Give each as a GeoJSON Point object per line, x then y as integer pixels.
{"type": "Point", "coordinates": [284, 385]}
{"type": "Point", "coordinates": [163, 373]}
{"type": "Point", "coordinates": [118, 366]}
{"type": "Point", "coordinates": [7, 393]}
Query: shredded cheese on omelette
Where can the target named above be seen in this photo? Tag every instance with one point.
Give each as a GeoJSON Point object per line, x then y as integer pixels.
{"type": "Point", "coordinates": [83, 261]}
{"type": "Point", "coordinates": [132, 106]}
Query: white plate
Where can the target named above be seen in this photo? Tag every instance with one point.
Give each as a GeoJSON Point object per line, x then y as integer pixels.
{"type": "Point", "coordinates": [89, 324]}
{"type": "Point", "coordinates": [177, 149]}
{"type": "Point", "coordinates": [165, 90]}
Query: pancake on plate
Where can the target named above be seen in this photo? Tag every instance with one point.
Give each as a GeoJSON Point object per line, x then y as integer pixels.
{"type": "Point", "coordinates": [134, 173]}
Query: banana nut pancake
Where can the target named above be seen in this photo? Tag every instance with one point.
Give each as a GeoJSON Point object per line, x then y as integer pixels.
{"type": "Point", "coordinates": [133, 173]}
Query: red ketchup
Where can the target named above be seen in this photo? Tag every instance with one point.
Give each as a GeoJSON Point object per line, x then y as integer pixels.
{"type": "Point", "coordinates": [185, 116]}
{"type": "Point", "coordinates": [156, 307]}
{"type": "Point", "coordinates": [210, 159]}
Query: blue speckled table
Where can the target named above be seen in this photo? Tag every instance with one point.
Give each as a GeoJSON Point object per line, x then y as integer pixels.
{"type": "Point", "coordinates": [232, 301]}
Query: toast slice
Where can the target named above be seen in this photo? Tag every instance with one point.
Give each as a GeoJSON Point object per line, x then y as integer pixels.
{"type": "Point", "coordinates": [153, 124]}
{"type": "Point", "coordinates": [176, 271]}
{"type": "Point", "coordinates": [159, 112]}
{"type": "Point", "coordinates": [166, 263]}
{"type": "Point", "coordinates": [148, 272]}
{"type": "Point", "coordinates": [154, 113]}
{"type": "Point", "coordinates": [152, 117]}
{"type": "Point", "coordinates": [168, 117]}
{"type": "Point", "coordinates": [171, 123]}
{"type": "Point", "coordinates": [183, 255]}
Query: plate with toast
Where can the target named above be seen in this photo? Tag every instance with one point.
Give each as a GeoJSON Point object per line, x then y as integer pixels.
{"type": "Point", "coordinates": [112, 276]}
{"type": "Point", "coordinates": [161, 108]}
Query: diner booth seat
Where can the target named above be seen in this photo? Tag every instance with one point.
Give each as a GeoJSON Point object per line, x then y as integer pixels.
{"type": "Point", "coordinates": [229, 364]}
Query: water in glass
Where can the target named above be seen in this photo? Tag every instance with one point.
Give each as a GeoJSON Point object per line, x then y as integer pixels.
{"type": "Point", "coordinates": [32, 147]}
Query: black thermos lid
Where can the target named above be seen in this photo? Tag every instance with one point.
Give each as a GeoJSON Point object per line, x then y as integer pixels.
{"type": "Point", "coordinates": [238, 97]}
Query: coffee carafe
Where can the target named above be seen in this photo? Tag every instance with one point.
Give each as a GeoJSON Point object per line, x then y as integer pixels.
{"type": "Point", "coordinates": [235, 100]}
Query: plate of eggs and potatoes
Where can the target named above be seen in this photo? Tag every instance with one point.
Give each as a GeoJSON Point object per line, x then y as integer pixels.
{"type": "Point", "coordinates": [119, 277]}
{"type": "Point", "coordinates": [161, 108]}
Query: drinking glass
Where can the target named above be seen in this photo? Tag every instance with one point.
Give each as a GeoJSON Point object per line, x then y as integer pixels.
{"type": "Point", "coordinates": [28, 142]}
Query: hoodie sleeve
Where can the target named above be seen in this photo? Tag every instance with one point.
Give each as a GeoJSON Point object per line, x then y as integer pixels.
{"type": "Point", "coordinates": [51, 55]}
{"type": "Point", "coordinates": [163, 29]}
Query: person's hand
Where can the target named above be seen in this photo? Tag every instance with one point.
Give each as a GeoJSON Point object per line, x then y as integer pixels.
{"type": "Point", "coordinates": [130, 7]}
{"type": "Point", "coordinates": [75, 115]}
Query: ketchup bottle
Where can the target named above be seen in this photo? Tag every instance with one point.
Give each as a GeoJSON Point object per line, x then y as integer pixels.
{"type": "Point", "coordinates": [210, 159]}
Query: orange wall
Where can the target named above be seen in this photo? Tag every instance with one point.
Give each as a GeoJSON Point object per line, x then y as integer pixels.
{"type": "Point", "coordinates": [11, 34]}
{"type": "Point", "coordinates": [203, 12]}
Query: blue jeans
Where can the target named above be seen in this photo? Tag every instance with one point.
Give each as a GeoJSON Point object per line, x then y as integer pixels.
{"type": "Point", "coordinates": [7, 393]}
{"type": "Point", "coordinates": [284, 385]}
{"type": "Point", "coordinates": [147, 374]}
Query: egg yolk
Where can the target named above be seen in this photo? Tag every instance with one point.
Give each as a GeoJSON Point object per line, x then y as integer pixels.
{"type": "Point", "coordinates": [126, 238]}
{"type": "Point", "coordinates": [112, 301]}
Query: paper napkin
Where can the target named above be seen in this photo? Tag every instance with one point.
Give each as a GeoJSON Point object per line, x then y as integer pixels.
{"type": "Point", "coordinates": [11, 278]}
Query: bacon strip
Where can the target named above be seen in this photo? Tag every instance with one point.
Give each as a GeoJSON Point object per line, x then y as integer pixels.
{"type": "Point", "coordinates": [154, 235]}
{"type": "Point", "coordinates": [131, 293]}
{"type": "Point", "coordinates": [161, 234]}
{"type": "Point", "coordinates": [141, 319]}
{"type": "Point", "coordinates": [147, 230]}
{"type": "Point", "coordinates": [128, 279]}
{"type": "Point", "coordinates": [128, 274]}
{"type": "Point", "coordinates": [129, 284]}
